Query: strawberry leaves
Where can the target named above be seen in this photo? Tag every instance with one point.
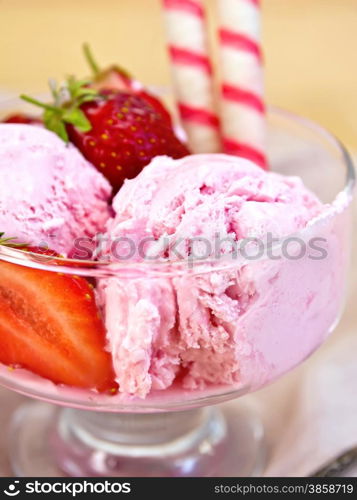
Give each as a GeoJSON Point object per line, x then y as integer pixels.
{"type": "Point", "coordinates": [65, 109]}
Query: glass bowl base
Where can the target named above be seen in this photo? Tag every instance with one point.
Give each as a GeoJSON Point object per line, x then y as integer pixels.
{"type": "Point", "coordinates": [226, 440]}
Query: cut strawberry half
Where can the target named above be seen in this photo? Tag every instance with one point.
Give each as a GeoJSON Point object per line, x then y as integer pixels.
{"type": "Point", "coordinates": [50, 325]}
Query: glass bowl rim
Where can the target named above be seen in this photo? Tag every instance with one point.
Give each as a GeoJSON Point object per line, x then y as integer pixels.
{"type": "Point", "coordinates": [164, 267]}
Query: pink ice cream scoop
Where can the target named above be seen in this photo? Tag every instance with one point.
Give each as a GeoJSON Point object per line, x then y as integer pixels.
{"type": "Point", "coordinates": [49, 193]}
{"type": "Point", "coordinates": [239, 324]}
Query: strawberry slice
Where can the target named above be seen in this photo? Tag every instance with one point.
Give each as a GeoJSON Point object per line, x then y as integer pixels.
{"type": "Point", "coordinates": [50, 325]}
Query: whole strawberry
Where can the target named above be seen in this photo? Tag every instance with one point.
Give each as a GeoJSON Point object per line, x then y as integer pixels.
{"type": "Point", "coordinates": [119, 132]}
{"type": "Point", "coordinates": [116, 78]}
{"type": "Point", "coordinates": [50, 323]}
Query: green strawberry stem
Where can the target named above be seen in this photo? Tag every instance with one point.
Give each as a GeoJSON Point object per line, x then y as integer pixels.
{"type": "Point", "coordinates": [90, 59]}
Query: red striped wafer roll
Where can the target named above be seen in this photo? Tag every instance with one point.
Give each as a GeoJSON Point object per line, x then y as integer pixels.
{"type": "Point", "coordinates": [242, 90]}
{"type": "Point", "coordinates": [192, 73]}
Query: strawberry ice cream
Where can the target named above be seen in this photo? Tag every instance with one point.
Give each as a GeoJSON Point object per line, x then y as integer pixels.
{"type": "Point", "coordinates": [49, 193]}
{"type": "Point", "coordinates": [238, 322]}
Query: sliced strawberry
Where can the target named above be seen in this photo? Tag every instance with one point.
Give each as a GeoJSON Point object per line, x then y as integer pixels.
{"type": "Point", "coordinates": [118, 132]}
{"type": "Point", "coordinates": [50, 325]}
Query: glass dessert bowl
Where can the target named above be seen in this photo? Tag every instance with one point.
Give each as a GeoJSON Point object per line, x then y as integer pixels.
{"type": "Point", "coordinates": [278, 300]}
